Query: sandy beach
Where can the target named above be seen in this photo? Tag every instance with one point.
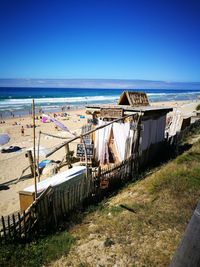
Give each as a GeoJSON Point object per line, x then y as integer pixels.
{"type": "Point", "coordinates": [12, 164]}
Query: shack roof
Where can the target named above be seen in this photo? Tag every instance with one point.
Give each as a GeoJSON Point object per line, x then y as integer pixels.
{"type": "Point", "coordinates": [129, 102]}
{"type": "Point", "coordinates": [129, 109]}
{"type": "Point", "coordinates": [133, 99]}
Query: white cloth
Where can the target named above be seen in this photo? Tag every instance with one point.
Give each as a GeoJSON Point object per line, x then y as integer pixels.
{"type": "Point", "coordinates": [121, 132]}
{"type": "Point", "coordinates": [101, 142]}
{"type": "Point", "coordinates": [74, 174]}
{"type": "Point", "coordinates": [176, 123]}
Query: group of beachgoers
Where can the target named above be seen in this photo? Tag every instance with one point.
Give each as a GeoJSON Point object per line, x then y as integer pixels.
{"type": "Point", "coordinates": [12, 114]}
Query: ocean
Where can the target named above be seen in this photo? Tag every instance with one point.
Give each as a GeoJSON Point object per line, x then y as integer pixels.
{"type": "Point", "coordinates": [18, 101]}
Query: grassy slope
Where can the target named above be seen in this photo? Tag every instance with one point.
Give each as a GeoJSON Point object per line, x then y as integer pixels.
{"type": "Point", "coordinates": [163, 203]}
{"type": "Point", "coordinates": [108, 234]}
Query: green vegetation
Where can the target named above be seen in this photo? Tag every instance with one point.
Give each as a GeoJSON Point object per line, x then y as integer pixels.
{"type": "Point", "coordinates": [198, 107]}
{"type": "Point", "coordinates": [36, 253]}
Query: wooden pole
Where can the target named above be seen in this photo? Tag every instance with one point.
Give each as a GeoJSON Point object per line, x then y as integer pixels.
{"type": "Point", "coordinates": [38, 156]}
{"type": "Point", "coordinates": [34, 155]}
{"type": "Point", "coordinates": [86, 159]}
{"type": "Point", "coordinates": [87, 133]}
{"type": "Point", "coordinates": [31, 164]}
{"type": "Point", "coordinates": [67, 150]}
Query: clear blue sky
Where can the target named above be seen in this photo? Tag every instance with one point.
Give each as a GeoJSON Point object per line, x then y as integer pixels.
{"type": "Point", "coordinates": [127, 39]}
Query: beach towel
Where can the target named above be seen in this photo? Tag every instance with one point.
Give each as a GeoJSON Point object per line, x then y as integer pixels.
{"type": "Point", "coordinates": [11, 149]}
{"type": "Point", "coordinates": [43, 163]}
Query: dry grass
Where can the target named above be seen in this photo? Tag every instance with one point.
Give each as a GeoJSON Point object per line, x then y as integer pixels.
{"type": "Point", "coordinates": [163, 203]}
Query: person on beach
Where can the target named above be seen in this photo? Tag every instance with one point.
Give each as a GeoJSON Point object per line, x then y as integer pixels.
{"type": "Point", "coordinates": [22, 131]}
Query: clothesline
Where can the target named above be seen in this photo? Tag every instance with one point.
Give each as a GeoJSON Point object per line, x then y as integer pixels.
{"type": "Point", "coordinates": [55, 136]}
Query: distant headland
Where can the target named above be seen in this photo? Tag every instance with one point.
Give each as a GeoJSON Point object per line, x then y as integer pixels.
{"type": "Point", "coordinates": [98, 83]}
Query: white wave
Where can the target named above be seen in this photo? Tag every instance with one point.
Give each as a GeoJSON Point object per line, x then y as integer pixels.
{"type": "Point", "coordinates": [173, 93]}
{"type": "Point", "coordinates": [7, 102]}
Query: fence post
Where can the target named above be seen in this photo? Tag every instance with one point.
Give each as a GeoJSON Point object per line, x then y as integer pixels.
{"type": "Point", "coordinates": [24, 221]}
{"type": "Point", "coordinates": [14, 226]}
{"type": "Point", "coordinates": [19, 219]}
{"type": "Point", "coordinates": [4, 228]}
{"type": "Point", "coordinates": [9, 227]}
{"type": "Point", "coordinates": [30, 157]}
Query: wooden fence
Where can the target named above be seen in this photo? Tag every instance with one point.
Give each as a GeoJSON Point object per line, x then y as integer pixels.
{"type": "Point", "coordinates": [54, 205]}
{"type": "Point", "coordinates": [174, 142]}
{"type": "Point", "coordinates": [46, 213]}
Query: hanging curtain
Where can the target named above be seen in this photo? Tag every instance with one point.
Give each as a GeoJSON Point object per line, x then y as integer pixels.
{"type": "Point", "coordinates": [121, 133]}
{"type": "Point", "coordinates": [101, 142]}
{"type": "Point", "coordinates": [97, 144]}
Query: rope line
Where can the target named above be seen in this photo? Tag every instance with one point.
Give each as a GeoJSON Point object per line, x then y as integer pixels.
{"type": "Point", "coordinates": [55, 136]}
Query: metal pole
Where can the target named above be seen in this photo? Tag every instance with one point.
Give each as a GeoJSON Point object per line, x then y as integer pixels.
{"type": "Point", "coordinates": [34, 156]}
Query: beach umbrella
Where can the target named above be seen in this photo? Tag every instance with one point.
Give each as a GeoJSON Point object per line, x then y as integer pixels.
{"type": "Point", "coordinates": [4, 139]}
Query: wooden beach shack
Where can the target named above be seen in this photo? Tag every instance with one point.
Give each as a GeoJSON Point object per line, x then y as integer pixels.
{"type": "Point", "coordinates": [142, 133]}
{"type": "Point", "coordinates": [119, 140]}
{"type": "Point", "coordinates": [132, 126]}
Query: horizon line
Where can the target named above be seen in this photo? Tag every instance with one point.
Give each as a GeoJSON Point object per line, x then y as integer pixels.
{"type": "Point", "coordinates": [97, 83]}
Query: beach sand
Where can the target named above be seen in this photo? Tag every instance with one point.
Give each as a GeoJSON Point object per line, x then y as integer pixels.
{"type": "Point", "coordinates": [12, 164]}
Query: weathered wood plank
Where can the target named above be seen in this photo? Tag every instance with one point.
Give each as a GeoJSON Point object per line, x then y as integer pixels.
{"type": "Point", "coordinates": [187, 253]}
{"type": "Point", "coordinates": [20, 229]}
{"type": "Point", "coordinates": [64, 197]}
{"type": "Point", "coordinates": [68, 200]}
{"type": "Point", "coordinates": [4, 228]}
{"type": "Point", "coordinates": [14, 227]}
{"type": "Point", "coordinates": [24, 224]}
{"type": "Point", "coordinates": [9, 228]}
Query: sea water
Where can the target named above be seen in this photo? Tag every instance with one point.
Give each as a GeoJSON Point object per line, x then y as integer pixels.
{"type": "Point", "coordinates": [18, 101]}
